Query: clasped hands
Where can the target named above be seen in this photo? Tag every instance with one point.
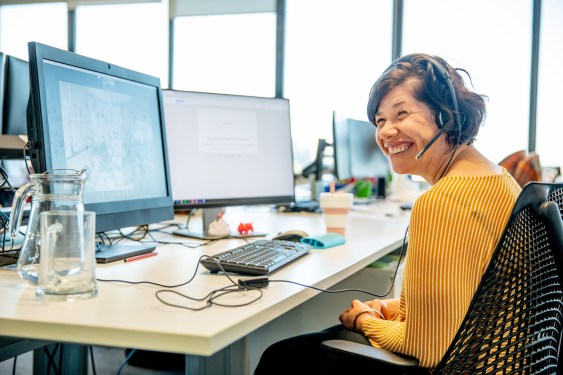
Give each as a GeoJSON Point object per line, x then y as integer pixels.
{"type": "Point", "coordinates": [353, 318]}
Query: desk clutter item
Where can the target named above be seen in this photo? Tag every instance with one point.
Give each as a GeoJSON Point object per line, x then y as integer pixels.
{"type": "Point", "coordinates": [219, 227]}
{"type": "Point", "coordinates": [59, 190]}
{"type": "Point", "coordinates": [257, 258]}
{"type": "Point", "coordinates": [324, 241]}
{"type": "Point", "coordinates": [336, 208]}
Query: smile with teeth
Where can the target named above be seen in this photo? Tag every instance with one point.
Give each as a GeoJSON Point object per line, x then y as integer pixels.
{"type": "Point", "coordinates": [397, 149]}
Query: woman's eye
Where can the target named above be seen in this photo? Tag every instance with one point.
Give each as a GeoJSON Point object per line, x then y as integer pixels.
{"type": "Point", "coordinates": [401, 114]}
{"type": "Point", "coordinates": [379, 122]}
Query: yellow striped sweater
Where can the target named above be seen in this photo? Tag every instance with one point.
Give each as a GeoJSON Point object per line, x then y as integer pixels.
{"type": "Point", "coordinates": [454, 228]}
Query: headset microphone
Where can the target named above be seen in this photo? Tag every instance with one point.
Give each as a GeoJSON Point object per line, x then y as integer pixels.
{"type": "Point", "coordinates": [425, 148]}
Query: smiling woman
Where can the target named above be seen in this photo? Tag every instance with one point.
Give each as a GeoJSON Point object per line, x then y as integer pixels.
{"type": "Point", "coordinates": [426, 123]}
{"type": "Point", "coordinates": [414, 102]}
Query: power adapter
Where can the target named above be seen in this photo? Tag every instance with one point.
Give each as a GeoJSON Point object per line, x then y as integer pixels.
{"type": "Point", "coordinates": [253, 282]}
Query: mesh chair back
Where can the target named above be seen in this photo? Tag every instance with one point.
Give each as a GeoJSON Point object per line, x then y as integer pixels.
{"type": "Point", "coordinates": [515, 321]}
{"type": "Point", "coordinates": [556, 195]}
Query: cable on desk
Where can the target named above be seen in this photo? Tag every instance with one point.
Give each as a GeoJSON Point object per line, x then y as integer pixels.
{"type": "Point", "coordinates": [136, 235]}
{"type": "Point", "coordinates": [210, 299]}
{"type": "Point", "coordinates": [353, 289]}
{"type": "Point", "coordinates": [28, 146]}
{"type": "Point", "coordinates": [4, 221]}
{"type": "Point", "coordinates": [105, 238]}
{"type": "Point", "coordinates": [6, 181]}
{"type": "Point", "coordinates": [8, 254]}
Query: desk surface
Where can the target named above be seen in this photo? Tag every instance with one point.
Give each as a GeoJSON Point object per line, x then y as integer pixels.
{"type": "Point", "coordinates": [124, 315]}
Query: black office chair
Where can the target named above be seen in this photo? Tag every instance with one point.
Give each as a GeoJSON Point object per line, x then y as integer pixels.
{"type": "Point", "coordinates": [556, 195]}
{"type": "Point", "coordinates": [514, 323]}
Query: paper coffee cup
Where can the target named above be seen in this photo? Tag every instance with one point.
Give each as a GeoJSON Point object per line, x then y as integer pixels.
{"type": "Point", "coordinates": [336, 210]}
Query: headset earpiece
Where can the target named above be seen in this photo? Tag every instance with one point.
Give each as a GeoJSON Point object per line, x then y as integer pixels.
{"type": "Point", "coordinates": [441, 118]}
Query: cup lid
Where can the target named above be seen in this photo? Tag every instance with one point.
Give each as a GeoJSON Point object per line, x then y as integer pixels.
{"type": "Point", "coordinates": [338, 199]}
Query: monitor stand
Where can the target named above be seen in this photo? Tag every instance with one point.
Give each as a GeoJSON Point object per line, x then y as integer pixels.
{"type": "Point", "coordinates": [300, 206]}
{"type": "Point", "coordinates": [208, 215]}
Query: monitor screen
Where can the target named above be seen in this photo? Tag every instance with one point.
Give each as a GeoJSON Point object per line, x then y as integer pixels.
{"type": "Point", "coordinates": [356, 152]}
{"type": "Point", "coordinates": [228, 150]}
{"type": "Point", "coordinates": [92, 115]}
{"type": "Point", "coordinates": [16, 96]}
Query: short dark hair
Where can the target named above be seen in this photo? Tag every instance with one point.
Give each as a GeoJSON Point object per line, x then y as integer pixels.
{"type": "Point", "coordinates": [431, 88]}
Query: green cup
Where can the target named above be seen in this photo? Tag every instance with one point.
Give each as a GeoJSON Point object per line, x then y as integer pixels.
{"type": "Point", "coordinates": [363, 189]}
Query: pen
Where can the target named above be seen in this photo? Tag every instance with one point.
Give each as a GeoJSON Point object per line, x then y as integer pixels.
{"type": "Point", "coordinates": [142, 256]}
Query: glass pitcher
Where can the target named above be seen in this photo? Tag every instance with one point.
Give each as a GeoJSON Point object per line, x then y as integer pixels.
{"type": "Point", "coordinates": [59, 189]}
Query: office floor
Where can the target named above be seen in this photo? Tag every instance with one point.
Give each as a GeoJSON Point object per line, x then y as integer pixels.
{"type": "Point", "coordinates": [107, 361]}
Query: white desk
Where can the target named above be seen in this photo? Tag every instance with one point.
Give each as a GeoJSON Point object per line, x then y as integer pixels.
{"type": "Point", "coordinates": [130, 316]}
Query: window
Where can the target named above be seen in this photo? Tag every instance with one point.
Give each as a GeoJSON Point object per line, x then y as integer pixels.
{"type": "Point", "coordinates": [45, 23]}
{"type": "Point", "coordinates": [134, 36]}
{"type": "Point", "coordinates": [549, 122]}
{"type": "Point", "coordinates": [335, 50]}
{"type": "Point", "coordinates": [226, 53]}
{"type": "Point", "coordinates": [492, 41]}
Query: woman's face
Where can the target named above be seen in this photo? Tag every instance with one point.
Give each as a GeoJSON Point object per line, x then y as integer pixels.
{"type": "Point", "coordinates": [404, 127]}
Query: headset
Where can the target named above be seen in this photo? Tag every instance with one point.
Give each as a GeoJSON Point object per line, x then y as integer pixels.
{"type": "Point", "coordinates": [441, 116]}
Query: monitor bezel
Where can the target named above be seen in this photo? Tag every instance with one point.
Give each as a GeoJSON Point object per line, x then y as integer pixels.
{"type": "Point", "coordinates": [111, 215]}
{"type": "Point", "coordinates": [3, 58]}
{"type": "Point", "coordinates": [229, 202]}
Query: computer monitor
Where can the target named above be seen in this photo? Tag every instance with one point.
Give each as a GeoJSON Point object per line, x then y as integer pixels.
{"type": "Point", "coordinates": [227, 150]}
{"type": "Point", "coordinates": [89, 114]}
{"type": "Point", "coordinates": [14, 96]}
{"type": "Point", "coordinates": [2, 85]}
{"type": "Point", "coordinates": [356, 153]}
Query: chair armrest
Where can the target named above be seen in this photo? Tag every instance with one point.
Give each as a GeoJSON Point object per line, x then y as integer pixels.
{"type": "Point", "coordinates": [370, 352]}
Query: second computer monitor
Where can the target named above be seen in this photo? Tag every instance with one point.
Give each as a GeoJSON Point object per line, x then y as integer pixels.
{"type": "Point", "coordinates": [16, 96]}
{"type": "Point", "coordinates": [228, 150]}
{"type": "Point", "coordinates": [356, 152]}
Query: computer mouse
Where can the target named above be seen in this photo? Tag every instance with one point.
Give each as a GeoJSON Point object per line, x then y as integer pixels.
{"type": "Point", "coordinates": [291, 235]}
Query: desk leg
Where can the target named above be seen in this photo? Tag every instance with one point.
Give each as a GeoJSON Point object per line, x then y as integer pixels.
{"type": "Point", "coordinates": [229, 361]}
{"type": "Point", "coordinates": [61, 359]}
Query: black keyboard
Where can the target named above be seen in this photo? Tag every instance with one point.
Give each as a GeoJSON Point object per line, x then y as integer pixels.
{"type": "Point", "coordinates": [257, 258]}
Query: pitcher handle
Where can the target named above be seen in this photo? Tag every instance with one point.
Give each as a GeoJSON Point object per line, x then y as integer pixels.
{"type": "Point", "coordinates": [18, 207]}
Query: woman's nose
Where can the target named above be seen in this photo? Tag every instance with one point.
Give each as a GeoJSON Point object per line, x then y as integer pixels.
{"type": "Point", "coordinates": [387, 131]}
